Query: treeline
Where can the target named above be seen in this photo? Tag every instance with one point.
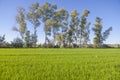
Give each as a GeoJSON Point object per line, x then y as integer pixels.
{"type": "Point", "coordinates": [62, 29]}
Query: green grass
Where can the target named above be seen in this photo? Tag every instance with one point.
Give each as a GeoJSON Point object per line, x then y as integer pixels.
{"type": "Point", "coordinates": [59, 64]}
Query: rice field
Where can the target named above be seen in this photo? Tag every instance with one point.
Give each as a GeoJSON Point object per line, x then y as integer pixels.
{"type": "Point", "coordinates": [59, 64]}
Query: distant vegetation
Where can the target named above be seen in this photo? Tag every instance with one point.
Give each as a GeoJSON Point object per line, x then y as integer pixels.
{"type": "Point", "coordinates": [62, 29]}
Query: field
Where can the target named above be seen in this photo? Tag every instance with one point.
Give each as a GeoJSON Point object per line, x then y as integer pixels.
{"type": "Point", "coordinates": [59, 64]}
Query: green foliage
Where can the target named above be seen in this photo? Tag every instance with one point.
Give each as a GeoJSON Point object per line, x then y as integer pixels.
{"type": "Point", "coordinates": [60, 27]}
{"type": "Point", "coordinates": [83, 30]}
{"type": "Point", "coordinates": [99, 36]}
{"type": "Point", "coordinates": [33, 16]}
{"type": "Point", "coordinates": [20, 19]}
{"type": "Point", "coordinates": [17, 43]}
{"type": "Point", "coordinates": [106, 33]}
{"type": "Point", "coordinates": [2, 38]}
{"type": "Point", "coordinates": [74, 13]}
{"type": "Point", "coordinates": [85, 13]}
{"type": "Point", "coordinates": [59, 64]}
{"type": "Point", "coordinates": [3, 43]}
{"type": "Point", "coordinates": [60, 38]}
{"type": "Point", "coordinates": [48, 11]}
{"type": "Point", "coordinates": [74, 25]}
{"type": "Point", "coordinates": [28, 42]}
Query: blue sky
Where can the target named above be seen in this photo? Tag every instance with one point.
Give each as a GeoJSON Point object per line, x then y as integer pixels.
{"type": "Point", "coordinates": [108, 10]}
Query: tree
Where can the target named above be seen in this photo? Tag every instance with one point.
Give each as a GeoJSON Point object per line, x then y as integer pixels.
{"type": "Point", "coordinates": [74, 25]}
{"type": "Point", "coordinates": [84, 29]}
{"type": "Point", "coordinates": [20, 19]}
{"type": "Point", "coordinates": [33, 16]}
{"type": "Point", "coordinates": [47, 11]}
{"type": "Point", "coordinates": [47, 29]}
{"type": "Point", "coordinates": [98, 33]}
{"type": "Point", "coordinates": [60, 25]}
{"type": "Point", "coordinates": [99, 36]}
{"type": "Point", "coordinates": [56, 23]}
{"type": "Point", "coordinates": [64, 26]}
{"type": "Point", "coordinates": [47, 18]}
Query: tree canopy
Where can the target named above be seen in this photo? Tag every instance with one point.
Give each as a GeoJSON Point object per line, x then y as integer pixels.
{"type": "Point", "coordinates": [61, 28]}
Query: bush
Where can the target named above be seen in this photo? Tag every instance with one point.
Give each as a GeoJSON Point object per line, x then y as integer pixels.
{"type": "Point", "coordinates": [17, 43]}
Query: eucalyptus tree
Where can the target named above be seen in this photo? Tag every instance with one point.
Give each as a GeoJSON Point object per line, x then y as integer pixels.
{"type": "Point", "coordinates": [83, 28]}
{"type": "Point", "coordinates": [60, 24]}
{"type": "Point", "coordinates": [99, 36]}
{"type": "Point", "coordinates": [20, 19]}
{"type": "Point", "coordinates": [64, 26]}
{"type": "Point", "coordinates": [98, 33]}
{"type": "Point", "coordinates": [47, 11]}
{"type": "Point", "coordinates": [74, 25]}
{"type": "Point", "coordinates": [33, 16]}
{"type": "Point", "coordinates": [56, 24]}
{"type": "Point", "coordinates": [47, 29]}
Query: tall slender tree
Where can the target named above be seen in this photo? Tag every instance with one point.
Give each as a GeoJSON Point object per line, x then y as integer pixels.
{"type": "Point", "coordinates": [47, 29]}
{"type": "Point", "coordinates": [47, 11]}
{"type": "Point", "coordinates": [98, 33]}
{"type": "Point", "coordinates": [99, 36]}
{"type": "Point", "coordinates": [20, 19]}
{"type": "Point", "coordinates": [74, 25]}
{"type": "Point", "coordinates": [60, 24]}
{"type": "Point", "coordinates": [83, 27]}
{"type": "Point", "coordinates": [64, 26]}
{"type": "Point", "coordinates": [56, 23]}
{"type": "Point", "coordinates": [33, 15]}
